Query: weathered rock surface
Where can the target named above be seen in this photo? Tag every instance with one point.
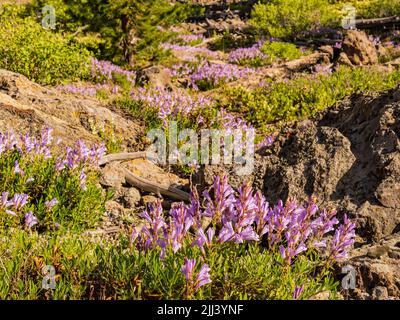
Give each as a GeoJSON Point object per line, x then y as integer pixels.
{"type": "Point", "coordinates": [28, 107]}
{"type": "Point", "coordinates": [377, 269]}
{"type": "Point", "coordinates": [348, 157]}
{"type": "Point", "coordinates": [359, 49]}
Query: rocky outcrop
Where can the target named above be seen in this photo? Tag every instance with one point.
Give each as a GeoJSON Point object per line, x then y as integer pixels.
{"type": "Point", "coordinates": [28, 107]}
{"type": "Point", "coordinates": [348, 157]}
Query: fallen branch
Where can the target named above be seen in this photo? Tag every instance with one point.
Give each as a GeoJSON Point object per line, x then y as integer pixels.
{"type": "Point", "coordinates": [307, 61]}
{"type": "Point", "coordinates": [149, 186]}
{"type": "Point", "coordinates": [378, 23]}
{"type": "Point", "coordinates": [125, 156]}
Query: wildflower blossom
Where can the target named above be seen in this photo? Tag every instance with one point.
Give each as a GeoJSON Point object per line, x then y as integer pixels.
{"type": "Point", "coordinates": [170, 104]}
{"type": "Point", "coordinates": [202, 278]}
{"type": "Point", "coordinates": [323, 69]}
{"type": "Point", "coordinates": [297, 292]}
{"type": "Point", "coordinates": [266, 142]}
{"type": "Point", "coordinates": [51, 204]}
{"type": "Point", "coordinates": [17, 169]}
{"type": "Point", "coordinates": [342, 240]}
{"type": "Point", "coordinates": [19, 200]}
{"type": "Point", "coordinates": [243, 55]}
{"type": "Point", "coordinates": [213, 74]}
{"type": "Point", "coordinates": [191, 51]}
{"type": "Point", "coordinates": [188, 38]}
{"type": "Point", "coordinates": [82, 179]}
{"type": "Point", "coordinates": [244, 216]}
{"type": "Point", "coordinates": [30, 220]}
{"type": "Point", "coordinates": [4, 200]}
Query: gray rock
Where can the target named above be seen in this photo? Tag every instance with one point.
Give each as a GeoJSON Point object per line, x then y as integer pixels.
{"type": "Point", "coordinates": [131, 197]}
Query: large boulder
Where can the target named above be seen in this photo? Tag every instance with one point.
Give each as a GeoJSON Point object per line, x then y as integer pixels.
{"type": "Point", "coordinates": [359, 49]}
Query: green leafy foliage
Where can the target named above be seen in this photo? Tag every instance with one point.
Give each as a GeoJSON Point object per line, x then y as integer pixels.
{"type": "Point", "coordinates": [281, 50]}
{"type": "Point", "coordinates": [39, 54]}
{"type": "Point", "coordinates": [93, 269]}
{"type": "Point", "coordinates": [284, 19]}
{"type": "Point", "coordinates": [303, 97]}
{"type": "Point", "coordinates": [111, 25]}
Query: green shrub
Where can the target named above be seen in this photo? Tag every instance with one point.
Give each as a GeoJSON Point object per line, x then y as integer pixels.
{"type": "Point", "coordinates": [281, 50]}
{"type": "Point", "coordinates": [115, 21]}
{"type": "Point", "coordinates": [287, 18]}
{"type": "Point", "coordinates": [39, 54]}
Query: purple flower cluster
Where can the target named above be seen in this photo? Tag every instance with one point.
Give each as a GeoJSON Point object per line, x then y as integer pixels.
{"type": "Point", "coordinates": [213, 74]}
{"type": "Point", "coordinates": [87, 90]}
{"type": "Point", "coordinates": [297, 292]}
{"type": "Point", "coordinates": [323, 69]}
{"type": "Point", "coordinates": [180, 70]}
{"type": "Point", "coordinates": [244, 216]}
{"type": "Point", "coordinates": [266, 142]}
{"type": "Point", "coordinates": [30, 220]}
{"type": "Point", "coordinates": [103, 71]}
{"type": "Point", "coordinates": [230, 122]}
{"type": "Point", "coordinates": [170, 103]}
{"type": "Point", "coordinates": [26, 144]}
{"type": "Point", "coordinates": [338, 45]}
{"type": "Point", "coordinates": [343, 238]}
{"type": "Point", "coordinates": [51, 204]}
{"type": "Point", "coordinates": [80, 156]}
{"type": "Point", "coordinates": [242, 55]}
{"type": "Point", "coordinates": [17, 202]}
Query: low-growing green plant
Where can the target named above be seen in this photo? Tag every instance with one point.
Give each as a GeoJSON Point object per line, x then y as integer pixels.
{"type": "Point", "coordinates": [281, 50]}
{"type": "Point", "coordinates": [303, 97]}
{"type": "Point", "coordinates": [287, 18]}
{"type": "Point", "coordinates": [39, 188]}
{"type": "Point", "coordinates": [39, 54]}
